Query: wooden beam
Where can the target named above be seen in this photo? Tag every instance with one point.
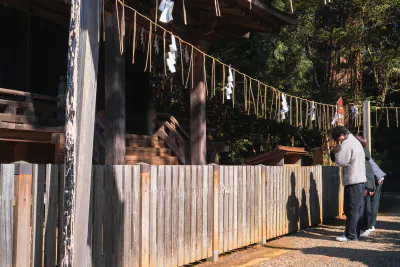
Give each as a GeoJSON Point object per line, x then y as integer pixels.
{"type": "Point", "coordinates": [83, 53]}
{"type": "Point", "coordinates": [198, 127]}
{"type": "Point", "coordinates": [114, 132]}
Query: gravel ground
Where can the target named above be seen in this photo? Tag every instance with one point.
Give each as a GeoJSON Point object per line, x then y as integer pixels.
{"type": "Point", "coordinates": [317, 246]}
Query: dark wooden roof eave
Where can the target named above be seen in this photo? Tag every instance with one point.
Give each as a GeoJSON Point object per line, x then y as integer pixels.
{"type": "Point", "coordinates": [259, 7]}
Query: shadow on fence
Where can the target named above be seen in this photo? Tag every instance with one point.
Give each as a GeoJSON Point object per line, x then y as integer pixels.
{"type": "Point", "coordinates": [142, 215]}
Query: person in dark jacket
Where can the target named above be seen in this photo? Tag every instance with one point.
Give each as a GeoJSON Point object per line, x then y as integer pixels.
{"type": "Point", "coordinates": [370, 189]}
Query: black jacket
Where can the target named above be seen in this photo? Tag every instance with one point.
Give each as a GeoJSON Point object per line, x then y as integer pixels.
{"type": "Point", "coordinates": [370, 184]}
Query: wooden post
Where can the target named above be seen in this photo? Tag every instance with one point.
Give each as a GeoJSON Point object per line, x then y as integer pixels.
{"type": "Point", "coordinates": [367, 123]}
{"type": "Point", "coordinates": [114, 132]}
{"type": "Point", "coordinates": [198, 133]}
{"type": "Point", "coordinates": [145, 215]}
{"type": "Point", "coordinates": [6, 214]}
{"type": "Point", "coordinates": [82, 68]}
{"type": "Point", "coordinates": [22, 216]}
{"type": "Point", "coordinates": [215, 242]}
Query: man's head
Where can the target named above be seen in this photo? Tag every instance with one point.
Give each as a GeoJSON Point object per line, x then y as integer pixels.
{"type": "Point", "coordinates": [362, 140]}
{"type": "Point", "coordinates": [339, 133]}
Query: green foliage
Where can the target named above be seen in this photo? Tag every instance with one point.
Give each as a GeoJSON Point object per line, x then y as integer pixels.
{"type": "Point", "coordinates": [346, 36]}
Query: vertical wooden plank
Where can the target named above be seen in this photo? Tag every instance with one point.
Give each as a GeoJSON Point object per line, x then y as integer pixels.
{"type": "Point", "coordinates": [188, 195]}
{"type": "Point", "coordinates": [279, 200]}
{"type": "Point", "coordinates": [160, 216]}
{"type": "Point", "coordinates": [22, 223]}
{"type": "Point", "coordinates": [108, 215]}
{"type": "Point", "coordinates": [6, 214]}
{"type": "Point", "coordinates": [235, 207]}
{"type": "Point", "coordinates": [259, 212]}
{"type": "Point", "coordinates": [239, 170]}
{"type": "Point", "coordinates": [205, 199]}
{"type": "Point", "coordinates": [276, 187]}
{"type": "Point", "coordinates": [51, 215]}
{"type": "Point", "coordinates": [210, 212]}
{"type": "Point", "coordinates": [244, 206]}
{"type": "Point", "coordinates": [199, 213]}
{"type": "Point", "coordinates": [286, 195]}
{"type": "Point", "coordinates": [153, 216]}
{"type": "Point", "coordinates": [38, 181]}
{"type": "Point", "coordinates": [168, 226]}
{"type": "Point", "coordinates": [216, 214]}
{"type": "Point", "coordinates": [230, 216]}
{"type": "Point", "coordinates": [175, 215]}
{"type": "Point", "coordinates": [98, 198]}
{"type": "Point", "coordinates": [263, 205]}
{"type": "Point", "coordinates": [248, 205]}
{"type": "Point", "coordinates": [61, 184]}
{"type": "Point", "coordinates": [145, 215]}
{"type": "Point", "coordinates": [193, 212]}
{"type": "Point", "coordinates": [226, 208]}
{"type": "Point", "coordinates": [118, 221]}
{"type": "Point", "coordinates": [221, 209]}
{"type": "Point", "coordinates": [127, 216]}
{"type": "Point", "coordinates": [267, 201]}
{"type": "Point", "coordinates": [256, 196]}
{"type": "Point", "coordinates": [253, 204]}
{"type": "Point", "coordinates": [136, 216]}
{"type": "Point", "coordinates": [182, 223]}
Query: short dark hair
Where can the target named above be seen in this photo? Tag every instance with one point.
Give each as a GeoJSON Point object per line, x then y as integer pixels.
{"type": "Point", "coordinates": [338, 131]}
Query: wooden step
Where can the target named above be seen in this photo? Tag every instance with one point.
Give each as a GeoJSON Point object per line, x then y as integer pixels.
{"type": "Point", "coordinates": [139, 137]}
{"type": "Point", "coordinates": [133, 143]}
{"type": "Point", "coordinates": [130, 160]}
{"type": "Point", "coordinates": [148, 151]}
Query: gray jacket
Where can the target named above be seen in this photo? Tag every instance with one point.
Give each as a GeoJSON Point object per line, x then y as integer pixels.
{"type": "Point", "coordinates": [350, 155]}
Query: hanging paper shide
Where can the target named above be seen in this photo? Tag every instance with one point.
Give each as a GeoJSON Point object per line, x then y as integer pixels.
{"type": "Point", "coordinates": [229, 86]}
{"type": "Point", "coordinates": [172, 55]}
{"type": "Point", "coordinates": [285, 107]}
{"type": "Point", "coordinates": [166, 7]}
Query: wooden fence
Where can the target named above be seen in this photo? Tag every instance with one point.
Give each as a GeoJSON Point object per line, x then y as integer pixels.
{"type": "Point", "coordinates": [142, 215]}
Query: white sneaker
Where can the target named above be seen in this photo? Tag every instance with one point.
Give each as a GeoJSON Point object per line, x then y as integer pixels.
{"type": "Point", "coordinates": [343, 238]}
{"type": "Point", "coordinates": [372, 229]}
{"type": "Point", "coordinates": [366, 233]}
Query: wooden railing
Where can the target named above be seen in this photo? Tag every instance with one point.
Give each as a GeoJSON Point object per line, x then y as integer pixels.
{"type": "Point", "coordinates": [174, 136]}
{"type": "Point", "coordinates": [162, 215]}
{"type": "Point", "coordinates": [32, 112]}
{"type": "Point", "coordinates": [41, 113]}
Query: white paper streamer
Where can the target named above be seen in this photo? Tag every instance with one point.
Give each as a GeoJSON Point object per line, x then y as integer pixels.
{"type": "Point", "coordinates": [354, 110]}
{"type": "Point", "coordinates": [285, 107]}
{"type": "Point", "coordinates": [312, 111]}
{"type": "Point", "coordinates": [171, 60]}
{"type": "Point", "coordinates": [166, 7]}
{"type": "Point", "coordinates": [229, 86]}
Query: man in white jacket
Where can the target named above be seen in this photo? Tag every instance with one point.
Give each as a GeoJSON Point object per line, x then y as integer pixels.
{"type": "Point", "coordinates": [349, 154]}
{"type": "Point", "coordinates": [379, 177]}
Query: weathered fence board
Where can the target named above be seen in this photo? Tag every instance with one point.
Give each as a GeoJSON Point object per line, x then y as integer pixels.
{"type": "Point", "coordinates": [145, 215]}
{"type": "Point", "coordinates": [6, 214]}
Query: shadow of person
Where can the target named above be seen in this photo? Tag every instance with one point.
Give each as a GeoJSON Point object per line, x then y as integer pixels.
{"type": "Point", "coordinates": [292, 207]}
{"type": "Point", "coordinates": [315, 212]}
{"type": "Point", "coordinates": [304, 220]}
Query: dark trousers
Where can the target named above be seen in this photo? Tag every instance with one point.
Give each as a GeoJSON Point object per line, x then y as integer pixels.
{"type": "Point", "coordinates": [375, 204]}
{"type": "Point", "coordinates": [367, 218]}
{"type": "Point", "coordinates": [354, 209]}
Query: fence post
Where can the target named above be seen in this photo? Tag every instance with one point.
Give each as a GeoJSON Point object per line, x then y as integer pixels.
{"type": "Point", "coordinates": [367, 123]}
{"type": "Point", "coordinates": [144, 214]}
{"type": "Point", "coordinates": [22, 215]}
{"type": "Point", "coordinates": [263, 204]}
{"type": "Point", "coordinates": [215, 244]}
